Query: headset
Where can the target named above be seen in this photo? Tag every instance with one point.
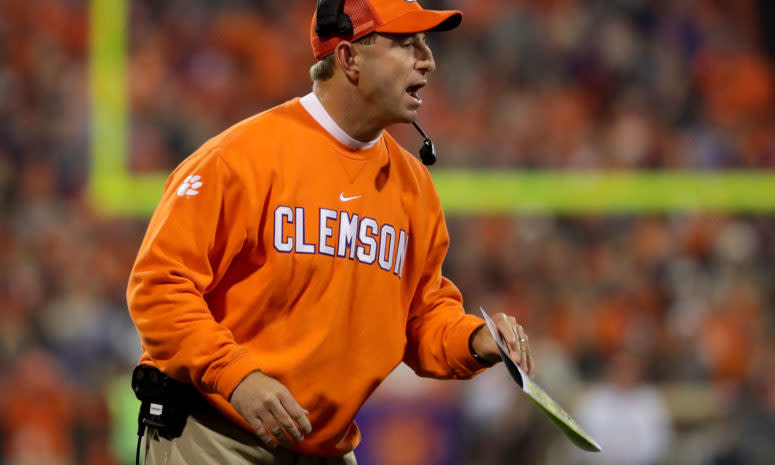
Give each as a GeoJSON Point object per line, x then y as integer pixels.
{"type": "Point", "coordinates": [331, 21]}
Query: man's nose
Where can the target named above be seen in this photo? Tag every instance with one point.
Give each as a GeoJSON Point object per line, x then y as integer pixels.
{"type": "Point", "coordinates": [426, 62]}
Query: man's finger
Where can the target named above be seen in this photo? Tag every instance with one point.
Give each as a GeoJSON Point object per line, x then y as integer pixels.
{"type": "Point", "coordinates": [531, 367]}
{"type": "Point", "coordinates": [298, 414]}
{"type": "Point", "coordinates": [274, 428]}
{"type": "Point", "coordinates": [516, 354]}
{"type": "Point", "coordinates": [523, 347]}
{"type": "Point", "coordinates": [507, 334]}
{"type": "Point", "coordinates": [513, 325]}
{"type": "Point", "coordinates": [284, 419]}
{"type": "Point", "coordinates": [262, 433]}
{"type": "Point", "coordinates": [529, 357]}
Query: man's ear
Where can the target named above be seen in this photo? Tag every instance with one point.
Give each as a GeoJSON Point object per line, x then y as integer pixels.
{"type": "Point", "coordinates": [348, 59]}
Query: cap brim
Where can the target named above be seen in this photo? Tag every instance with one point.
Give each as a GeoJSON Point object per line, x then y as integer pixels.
{"type": "Point", "coordinates": [422, 21]}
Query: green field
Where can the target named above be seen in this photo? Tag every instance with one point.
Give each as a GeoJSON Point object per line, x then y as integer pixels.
{"type": "Point", "coordinates": [115, 191]}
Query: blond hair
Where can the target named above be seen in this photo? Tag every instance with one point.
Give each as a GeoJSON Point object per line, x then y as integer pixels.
{"type": "Point", "coordinates": [324, 68]}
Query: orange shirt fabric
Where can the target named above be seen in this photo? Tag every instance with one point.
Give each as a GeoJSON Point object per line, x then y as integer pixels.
{"type": "Point", "coordinates": [277, 247]}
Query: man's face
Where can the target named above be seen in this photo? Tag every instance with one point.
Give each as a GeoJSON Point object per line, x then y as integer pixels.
{"type": "Point", "coordinates": [392, 72]}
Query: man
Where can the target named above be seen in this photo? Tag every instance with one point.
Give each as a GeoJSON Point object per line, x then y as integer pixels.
{"type": "Point", "coordinates": [295, 260]}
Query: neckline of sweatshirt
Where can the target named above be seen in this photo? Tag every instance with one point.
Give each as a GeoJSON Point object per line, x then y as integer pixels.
{"type": "Point", "coordinates": [342, 142]}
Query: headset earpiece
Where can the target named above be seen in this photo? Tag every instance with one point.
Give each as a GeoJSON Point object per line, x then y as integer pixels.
{"type": "Point", "coordinates": [331, 19]}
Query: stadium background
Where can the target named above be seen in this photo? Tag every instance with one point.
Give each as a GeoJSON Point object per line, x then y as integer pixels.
{"type": "Point", "coordinates": [606, 167]}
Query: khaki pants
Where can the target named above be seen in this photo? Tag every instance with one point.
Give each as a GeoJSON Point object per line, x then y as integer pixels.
{"type": "Point", "coordinates": [210, 439]}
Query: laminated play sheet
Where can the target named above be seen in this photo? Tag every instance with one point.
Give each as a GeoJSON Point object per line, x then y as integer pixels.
{"type": "Point", "coordinates": [540, 398]}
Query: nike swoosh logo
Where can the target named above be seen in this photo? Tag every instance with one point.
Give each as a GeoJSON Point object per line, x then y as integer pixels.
{"type": "Point", "coordinates": [347, 199]}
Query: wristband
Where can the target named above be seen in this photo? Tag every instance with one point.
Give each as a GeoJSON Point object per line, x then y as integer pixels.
{"type": "Point", "coordinates": [476, 356]}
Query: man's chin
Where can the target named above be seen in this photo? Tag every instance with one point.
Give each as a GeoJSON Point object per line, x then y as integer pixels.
{"type": "Point", "coordinates": [405, 116]}
{"type": "Point", "coordinates": [408, 117]}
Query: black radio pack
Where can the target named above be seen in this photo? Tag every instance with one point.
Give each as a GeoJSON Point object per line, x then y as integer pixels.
{"type": "Point", "coordinates": [165, 402]}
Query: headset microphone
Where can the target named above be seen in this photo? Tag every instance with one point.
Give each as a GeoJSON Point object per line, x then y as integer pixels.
{"type": "Point", "coordinates": [428, 150]}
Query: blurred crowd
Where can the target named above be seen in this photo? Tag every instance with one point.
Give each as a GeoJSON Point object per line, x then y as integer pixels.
{"type": "Point", "coordinates": [560, 84]}
{"type": "Point", "coordinates": [686, 300]}
{"type": "Point", "coordinates": [669, 313]}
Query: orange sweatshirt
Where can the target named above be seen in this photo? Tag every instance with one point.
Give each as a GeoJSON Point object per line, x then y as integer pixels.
{"type": "Point", "coordinates": [277, 247]}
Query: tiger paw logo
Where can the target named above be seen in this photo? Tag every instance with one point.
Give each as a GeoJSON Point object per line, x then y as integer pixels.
{"type": "Point", "coordinates": [190, 186]}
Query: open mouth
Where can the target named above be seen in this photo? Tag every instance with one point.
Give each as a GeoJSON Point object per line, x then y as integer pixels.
{"type": "Point", "coordinates": [413, 92]}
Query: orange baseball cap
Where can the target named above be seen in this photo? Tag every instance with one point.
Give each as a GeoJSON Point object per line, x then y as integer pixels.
{"type": "Point", "coordinates": [389, 16]}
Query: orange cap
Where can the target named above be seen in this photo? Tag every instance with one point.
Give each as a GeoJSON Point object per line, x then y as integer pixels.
{"type": "Point", "coordinates": [389, 16]}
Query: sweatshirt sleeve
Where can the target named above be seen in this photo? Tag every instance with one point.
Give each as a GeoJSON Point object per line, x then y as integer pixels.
{"type": "Point", "coordinates": [438, 328]}
{"type": "Point", "coordinates": [199, 226]}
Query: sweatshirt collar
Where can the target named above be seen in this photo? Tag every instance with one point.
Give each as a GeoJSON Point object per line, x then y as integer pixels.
{"type": "Point", "coordinates": [315, 108]}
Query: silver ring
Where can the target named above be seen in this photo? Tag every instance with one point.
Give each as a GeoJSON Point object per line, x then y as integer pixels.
{"type": "Point", "coordinates": [523, 339]}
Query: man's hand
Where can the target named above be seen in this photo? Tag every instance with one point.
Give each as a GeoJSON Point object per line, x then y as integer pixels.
{"type": "Point", "coordinates": [270, 408]}
{"type": "Point", "coordinates": [513, 335]}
